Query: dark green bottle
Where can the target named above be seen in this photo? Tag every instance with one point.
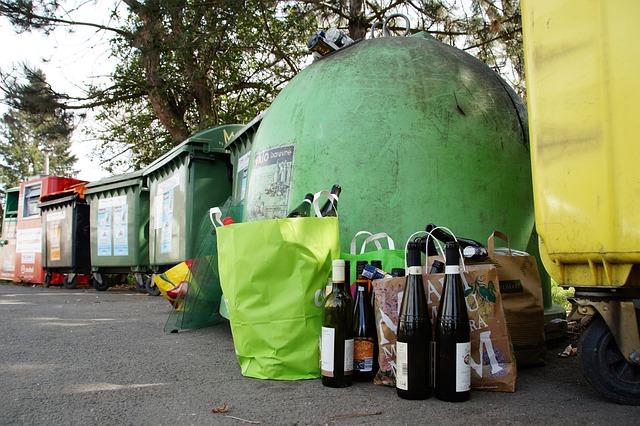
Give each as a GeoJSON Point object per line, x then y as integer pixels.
{"type": "Point", "coordinates": [413, 358]}
{"type": "Point", "coordinates": [452, 337]}
{"type": "Point", "coordinates": [330, 208]}
{"type": "Point", "coordinates": [336, 348]}
{"type": "Point", "coordinates": [304, 208]}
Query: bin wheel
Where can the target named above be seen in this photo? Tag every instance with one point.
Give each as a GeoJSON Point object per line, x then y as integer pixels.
{"type": "Point", "coordinates": [70, 281]}
{"type": "Point", "coordinates": [604, 366]}
{"type": "Point", "coordinates": [47, 280]}
{"type": "Point", "coordinates": [98, 282]}
{"type": "Point", "coordinates": [151, 286]}
{"type": "Point", "coordinates": [141, 280]}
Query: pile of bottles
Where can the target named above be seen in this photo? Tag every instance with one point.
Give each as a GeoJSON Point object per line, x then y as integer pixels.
{"type": "Point", "coordinates": [428, 359]}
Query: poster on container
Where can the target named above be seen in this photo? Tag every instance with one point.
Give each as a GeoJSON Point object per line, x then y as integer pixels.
{"type": "Point", "coordinates": [270, 183]}
{"type": "Point", "coordinates": [29, 240]}
{"type": "Point", "coordinates": [120, 234]}
{"type": "Point", "coordinates": [112, 226]}
{"type": "Point", "coordinates": [8, 261]}
{"type": "Point", "coordinates": [54, 220]}
{"type": "Point", "coordinates": [163, 211]}
{"type": "Point", "coordinates": [105, 220]}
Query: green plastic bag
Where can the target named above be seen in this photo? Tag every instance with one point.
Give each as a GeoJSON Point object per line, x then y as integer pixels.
{"type": "Point", "coordinates": [273, 274]}
{"type": "Point", "coordinates": [390, 257]}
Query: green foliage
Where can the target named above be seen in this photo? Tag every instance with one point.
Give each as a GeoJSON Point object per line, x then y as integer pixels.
{"type": "Point", "coordinates": [185, 65]}
{"type": "Point", "coordinates": [559, 295]}
{"type": "Point", "coordinates": [34, 123]}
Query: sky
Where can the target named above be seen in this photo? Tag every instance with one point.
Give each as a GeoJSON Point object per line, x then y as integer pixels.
{"type": "Point", "coordinates": [68, 59]}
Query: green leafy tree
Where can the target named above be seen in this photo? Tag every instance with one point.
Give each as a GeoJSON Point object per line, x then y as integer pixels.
{"type": "Point", "coordinates": [184, 65]}
{"type": "Point", "coordinates": [34, 124]}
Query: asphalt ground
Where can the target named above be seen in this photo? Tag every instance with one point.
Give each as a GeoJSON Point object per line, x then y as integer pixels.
{"type": "Point", "coordinates": [82, 357]}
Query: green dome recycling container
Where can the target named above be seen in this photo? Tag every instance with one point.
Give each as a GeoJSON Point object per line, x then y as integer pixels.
{"type": "Point", "coordinates": [414, 130]}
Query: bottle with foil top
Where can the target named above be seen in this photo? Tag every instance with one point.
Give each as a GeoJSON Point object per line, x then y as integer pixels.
{"type": "Point", "coordinates": [413, 358]}
{"type": "Point", "coordinates": [336, 340]}
{"type": "Point", "coordinates": [365, 342]}
{"type": "Point", "coordinates": [452, 334]}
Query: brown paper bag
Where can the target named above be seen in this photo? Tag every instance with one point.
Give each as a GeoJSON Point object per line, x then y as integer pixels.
{"type": "Point", "coordinates": [492, 364]}
{"type": "Point", "coordinates": [521, 291]}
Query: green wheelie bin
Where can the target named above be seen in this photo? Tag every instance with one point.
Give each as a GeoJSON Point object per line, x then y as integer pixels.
{"type": "Point", "coordinates": [183, 185]}
{"type": "Point", "coordinates": [119, 230]}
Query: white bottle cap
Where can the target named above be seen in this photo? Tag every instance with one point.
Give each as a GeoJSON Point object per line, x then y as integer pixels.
{"type": "Point", "coordinates": [338, 270]}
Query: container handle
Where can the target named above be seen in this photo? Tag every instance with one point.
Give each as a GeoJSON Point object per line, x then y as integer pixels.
{"type": "Point", "coordinates": [491, 247]}
{"type": "Point", "coordinates": [215, 216]}
{"type": "Point", "coordinates": [316, 199]}
{"type": "Point", "coordinates": [375, 239]}
{"type": "Point", "coordinates": [354, 240]}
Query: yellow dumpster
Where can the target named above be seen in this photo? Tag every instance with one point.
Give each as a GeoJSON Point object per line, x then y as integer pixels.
{"type": "Point", "coordinates": [582, 63]}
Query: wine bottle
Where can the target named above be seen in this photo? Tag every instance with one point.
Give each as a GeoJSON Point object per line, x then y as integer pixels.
{"type": "Point", "coordinates": [453, 347]}
{"type": "Point", "coordinates": [304, 208]}
{"type": "Point", "coordinates": [365, 340]}
{"type": "Point", "coordinates": [336, 348]}
{"type": "Point", "coordinates": [413, 360]}
{"type": "Point", "coordinates": [330, 208]}
{"type": "Point", "coordinates": [471, 249]}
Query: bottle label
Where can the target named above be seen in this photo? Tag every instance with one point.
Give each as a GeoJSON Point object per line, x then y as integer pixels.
{"type": "Point", "coordinates": [363, 354]}
{"type": "Point", "coordinates": [452, 269]}
{"type": "Point", "coordinates": [326, 351]}
{"type": "Point", "coordinates": [463, 368]}
{"type": "Point", "coordinates": [415, 270]}
{"type": "Point", "coordinates": [348, 356]}
{"type": "Point", "coordinates": [402, 366]}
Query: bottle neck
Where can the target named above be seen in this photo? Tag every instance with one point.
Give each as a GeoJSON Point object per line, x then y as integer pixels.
{"type": "Point", "coordinates": [338, 285]}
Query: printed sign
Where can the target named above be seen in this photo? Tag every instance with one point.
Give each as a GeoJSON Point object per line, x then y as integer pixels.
{"type": "Point", "coordinates": [243, 172]}
{"type": "Point", "coordinates": [56, 216]}
{"type": "Point", "coordinates": [112, 226]}
{"type": "Point", "coordinates": [8, 261]}
{"type": "Point", "coordinates": [28, 258]}
{"type": "Point", "coordinates": [54, 241]}
{"type": "Point", "coordinates": [163, 211]}
{"type": "Point", "coordinates": [270, 183]}
{"type": "Point", "coordinates": [29, 240]}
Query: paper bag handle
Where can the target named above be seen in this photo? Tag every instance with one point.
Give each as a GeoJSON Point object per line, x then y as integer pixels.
{"type": "Point", "coordinates": [316, 199]}
{"type": "Point", "coordinates": [491, 247]}
{"type": "Point", "coordinates": [375, 239]}
{"type": "Point", "coordinates": [354, 240]}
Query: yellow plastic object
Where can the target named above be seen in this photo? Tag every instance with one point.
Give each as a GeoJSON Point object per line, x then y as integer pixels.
{"type": "Point", "coordinates": [582, 65]}
{"type": "Point", "coordinates": [171, 278]}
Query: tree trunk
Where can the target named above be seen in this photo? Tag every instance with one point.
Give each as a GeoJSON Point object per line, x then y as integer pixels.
{"type": "Point", "coordinates": [148, 39]}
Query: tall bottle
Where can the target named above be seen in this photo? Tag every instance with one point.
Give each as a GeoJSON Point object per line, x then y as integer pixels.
{"type": "Point", "coordinates": [413, 358]}
{"type": "Point", "coordinates": [336, 348]}
{"type": "Point", "coordinates": [304, 208]}
{"type": "Point", "coordinates": [330, 208]}
{"type": "Point", "coordinates": [364, 330]}
{"type": "Point", "coordinates": [453, 347]}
